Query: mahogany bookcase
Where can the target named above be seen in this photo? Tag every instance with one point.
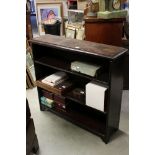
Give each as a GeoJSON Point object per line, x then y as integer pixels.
{"type": "Point", "coordinates": [54, 53]}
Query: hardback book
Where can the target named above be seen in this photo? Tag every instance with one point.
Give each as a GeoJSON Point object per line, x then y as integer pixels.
{"type": "Point", "coordinates": [64, 86]}
{"type": "Point", "coordinates": [59, 101]}
{"type": "Point", "coordinates": [55, 78]}
{"type": "Point", "coordinates": [48, 94]}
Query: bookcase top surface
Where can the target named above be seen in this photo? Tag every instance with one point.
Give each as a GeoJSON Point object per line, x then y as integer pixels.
{"type": "Point", "coordinates": [80, 46]}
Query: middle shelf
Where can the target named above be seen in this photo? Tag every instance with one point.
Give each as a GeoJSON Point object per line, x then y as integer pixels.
{"type": "Point", "coordinates": [62, 65]}
{"type": "Point", "coordinates": [69, 95]}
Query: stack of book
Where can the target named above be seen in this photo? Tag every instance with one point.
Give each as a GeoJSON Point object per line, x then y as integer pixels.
{"type": "Point", "coordinates": [55, 78]}
{"type": "Point", "coordinates": [47, 102]}
{"type": "Point", "coordinates": [59, 102]}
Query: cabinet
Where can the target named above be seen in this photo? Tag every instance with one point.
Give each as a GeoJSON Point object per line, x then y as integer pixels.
{"type": "Point", "coordinates": [106, 31]}
{"type": "Point", "coordinates": [55, 53]}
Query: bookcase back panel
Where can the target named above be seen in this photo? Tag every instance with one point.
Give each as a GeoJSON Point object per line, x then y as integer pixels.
{"type": "Point", "coordinates": [44, 51]}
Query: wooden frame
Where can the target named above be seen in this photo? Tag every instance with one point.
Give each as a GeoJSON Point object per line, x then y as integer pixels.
{"type": "Point", "coordinates": [46, 7]}
{"type": "Point", "coordinates": [75, 16]}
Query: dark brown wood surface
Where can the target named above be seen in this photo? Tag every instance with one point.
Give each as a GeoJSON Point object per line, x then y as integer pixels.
{"type": "Point", "coordinates": [80, 46]}
{"type": "Point", "coordinates": [107, 31]}
{"type": "Point", "coordinates": [48, 88]}
{"type": "Point", "coordinates": [94, 19]}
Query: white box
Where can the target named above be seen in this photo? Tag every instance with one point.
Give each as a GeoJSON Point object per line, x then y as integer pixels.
{"type": "Point", "coordinates": [95, 94]}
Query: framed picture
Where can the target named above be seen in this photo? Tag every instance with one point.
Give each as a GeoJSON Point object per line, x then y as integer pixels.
{"type": "Point", "coordinates": [47, 11]}
{"type": "Point", "coordinates": [75, 16]}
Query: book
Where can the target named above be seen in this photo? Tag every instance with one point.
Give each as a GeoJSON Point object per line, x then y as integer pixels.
{"type": "Point", "coordinates": [55, 78]}
{"type": "Point", "coordinates": [46, 101]}
{"type": "Point", "coordinates": [64, 86]}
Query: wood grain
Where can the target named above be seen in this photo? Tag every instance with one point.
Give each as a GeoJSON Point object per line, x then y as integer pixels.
{"type": "Point", "coordinates": [87, 47]}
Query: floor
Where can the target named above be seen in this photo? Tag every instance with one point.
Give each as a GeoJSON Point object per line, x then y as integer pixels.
{"type": "Point", "coordinates": [57, 136]}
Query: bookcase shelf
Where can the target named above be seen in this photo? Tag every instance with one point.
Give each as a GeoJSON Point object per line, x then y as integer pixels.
{"type": "Point", "coordinates": [55, 53]}
{"type": "Point", "coordinates": [68, 95]}
{"type": "Point", "coordinates": [82, 119]}
{"type": "Point", "coordinates": [62, 65]}
{"type": "Point", "coordinates": [75, 99]}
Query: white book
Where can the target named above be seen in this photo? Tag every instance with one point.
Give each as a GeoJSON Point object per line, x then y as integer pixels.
{"type": "Point", "coordinates": [55, 78]}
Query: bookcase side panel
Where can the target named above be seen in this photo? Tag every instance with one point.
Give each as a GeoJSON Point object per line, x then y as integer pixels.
{"type": "Point", "coordinates": [115, 95]}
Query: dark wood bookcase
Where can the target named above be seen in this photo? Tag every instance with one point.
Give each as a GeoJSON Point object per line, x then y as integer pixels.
{"type": "Point", "coordinates": [55, 53]}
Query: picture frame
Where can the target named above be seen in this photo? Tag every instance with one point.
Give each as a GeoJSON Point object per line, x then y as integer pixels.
{"type": "Point", "coordinates": [75, 16]}
{"type": "Point", "coordinates": [48, 10]}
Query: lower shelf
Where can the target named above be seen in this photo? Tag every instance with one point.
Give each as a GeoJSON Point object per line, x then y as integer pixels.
{"type": "Point", "coordinates": [82, 118]}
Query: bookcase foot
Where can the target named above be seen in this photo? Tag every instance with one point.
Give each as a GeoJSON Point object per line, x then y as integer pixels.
{"type": "Point", "coordinates": [105, 140]}
{"type": "Point", "coordinates": [42, 108]}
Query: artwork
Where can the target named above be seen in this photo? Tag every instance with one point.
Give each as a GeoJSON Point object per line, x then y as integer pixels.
{"type": "Point", "coordinates": [75, 16]}
{"type": "Point", "coordinates": [47, 12]}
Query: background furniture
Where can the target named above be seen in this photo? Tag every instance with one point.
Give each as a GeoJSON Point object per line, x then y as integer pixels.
{"type": "Point", "coordinates": [107, 31]}
{"type": "Point", "coordinates": [54, 53]}
{"type": "Point", "coordinates": [31, 137]}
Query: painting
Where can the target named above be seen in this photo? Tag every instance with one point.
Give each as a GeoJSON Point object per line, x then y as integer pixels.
{"type": "Point", "coordinates": [47, 12]}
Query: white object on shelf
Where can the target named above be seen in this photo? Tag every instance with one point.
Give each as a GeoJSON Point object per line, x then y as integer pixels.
{"type": "Point", "coordinates": [95, 95]}
{"type": "Point", "coordinates": [85, 68]}
{"type": "Point", "coordinates": [55, 78]}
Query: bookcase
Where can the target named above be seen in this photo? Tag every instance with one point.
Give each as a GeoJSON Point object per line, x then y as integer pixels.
{"type": "Point", "coordinates": [55, 53]}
